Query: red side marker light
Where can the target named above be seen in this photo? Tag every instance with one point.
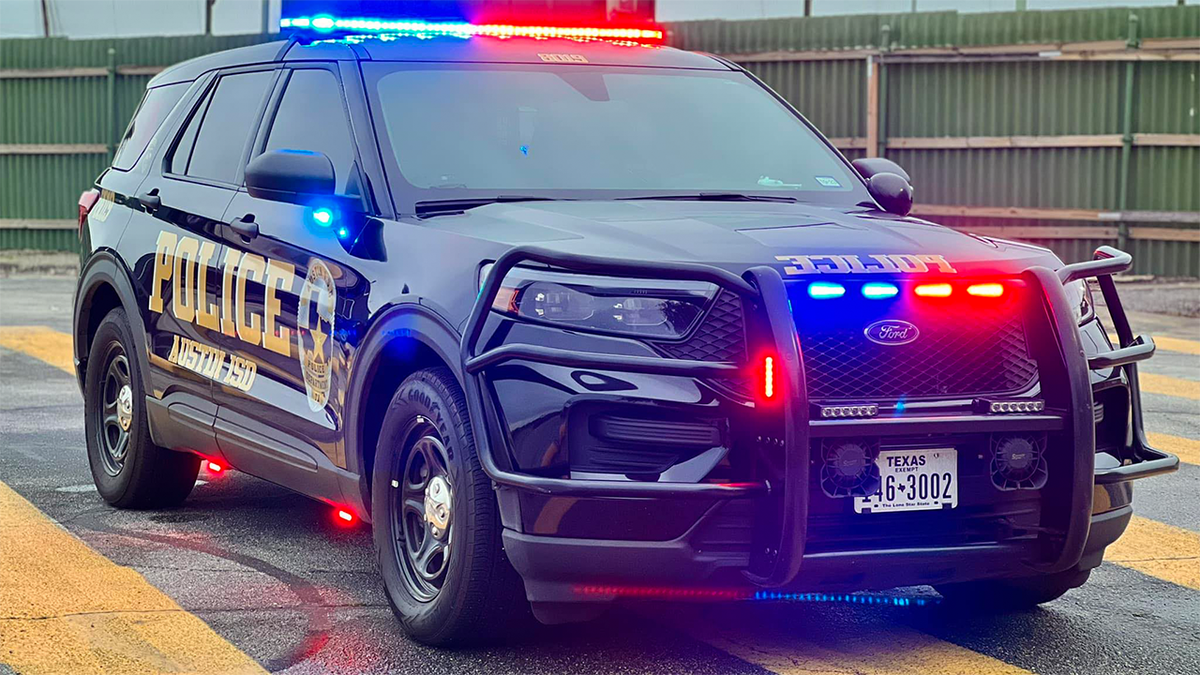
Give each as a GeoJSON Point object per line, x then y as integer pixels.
{"type": "Point", "coordinates": [769, 377]}
{"type": "Point", "coordinates": [992, 290]}
{"type": "Point", "coordinates": [934, 290]}
{"type": "Point", "coordinates": [213, 466]}
{"type": "Point", "coordinates": [345, 517]}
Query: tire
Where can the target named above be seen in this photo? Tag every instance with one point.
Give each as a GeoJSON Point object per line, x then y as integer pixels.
{"type": "Point", "coordinates": [469, 593]}
{"type": "Point", "coordinates": [1013, 594]}
{"type": "Point", "coordinates": [129, 470]}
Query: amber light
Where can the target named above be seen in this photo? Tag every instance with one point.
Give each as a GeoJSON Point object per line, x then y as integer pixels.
{"type": "Point", "coordinates": [933, 290]}
{"type": "Point", "coordinates": [992, 290]}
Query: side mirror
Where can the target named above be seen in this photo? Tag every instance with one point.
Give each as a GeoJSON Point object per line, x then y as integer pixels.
{"type": "Point", "coordinates": [293, 176]}
{"type": "Point", "coordinates": [888, 184]}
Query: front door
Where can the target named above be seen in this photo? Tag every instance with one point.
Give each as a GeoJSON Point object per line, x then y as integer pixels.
{"type": "Point", "coordinates": [302, 296]}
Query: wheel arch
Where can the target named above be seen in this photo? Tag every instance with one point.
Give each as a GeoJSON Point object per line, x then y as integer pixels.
{"type": "Point", "coordinates": [403, 339]}
{"type": "Point", "coordinates": [105, 284]}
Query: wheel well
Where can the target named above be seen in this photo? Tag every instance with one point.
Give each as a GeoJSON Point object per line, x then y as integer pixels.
{"type": "Point", "coordinates": [400, 358]}
{"type": "Point", "coordinates": [103, 300]}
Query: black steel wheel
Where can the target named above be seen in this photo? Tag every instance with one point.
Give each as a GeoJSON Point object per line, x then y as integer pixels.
{"type": "Point", "coordinates": [422, 512]}
{"type": "Point", "coordinates": [437, 523]}
{"type": "Point", "coordinates": [129, 470]}
{"type": "Point", "coordinates": [115, 410]}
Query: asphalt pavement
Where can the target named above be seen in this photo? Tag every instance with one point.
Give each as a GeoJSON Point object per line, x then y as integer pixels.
{"type": "Point", "coordinates": [271, 574]}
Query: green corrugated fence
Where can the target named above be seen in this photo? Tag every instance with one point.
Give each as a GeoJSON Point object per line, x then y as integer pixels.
{"type": "Point", "coordinates": [1068, 128]}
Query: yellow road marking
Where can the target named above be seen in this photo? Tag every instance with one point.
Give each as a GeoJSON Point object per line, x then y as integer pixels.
{"type": "Point", "coordinates": [41, 343]}
{"type": "Point", "coordinates": [1169, 386]}
{"type": "Point", "coordinates": [1159, 550]}
{"type": "Point", "coordinates": [1169, 344]}
{"type": "Point", "coordinates": [1185, 448]}
{"type": "Point", "coordinates": [66, 609]}
{"type": "Point", "coordinates": [776, 641]}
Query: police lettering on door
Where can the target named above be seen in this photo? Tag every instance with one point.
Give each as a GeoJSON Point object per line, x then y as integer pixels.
{"type": "Point", "coordinates": [183, 263]}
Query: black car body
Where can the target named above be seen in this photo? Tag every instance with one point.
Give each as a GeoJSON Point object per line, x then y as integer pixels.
{"type": "Point", "coordinates": [674, 386]}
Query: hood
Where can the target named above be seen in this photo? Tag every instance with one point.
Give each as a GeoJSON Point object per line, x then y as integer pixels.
{"type": "Point", "coordinates": [796, 238]}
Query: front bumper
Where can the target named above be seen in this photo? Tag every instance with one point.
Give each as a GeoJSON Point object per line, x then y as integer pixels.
{"type": "Point", "coordinates": [557, 568]}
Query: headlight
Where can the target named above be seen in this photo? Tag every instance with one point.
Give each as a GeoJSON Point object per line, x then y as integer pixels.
{"type": "Point", "coordinates": [1079, 294]}
{"type": "Point", "coordinates": [637, 307]}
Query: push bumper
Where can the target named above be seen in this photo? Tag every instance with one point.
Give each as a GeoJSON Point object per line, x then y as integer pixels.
{"type": "Point", "coordinates": [558, 569]}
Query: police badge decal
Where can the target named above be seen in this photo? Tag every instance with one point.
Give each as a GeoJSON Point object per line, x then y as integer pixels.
{"type": "Point", "coordinates": [315, 323]}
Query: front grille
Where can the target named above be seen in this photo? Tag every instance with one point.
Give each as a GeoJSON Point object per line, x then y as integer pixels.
{"type": "Point", "coordinates": [719, 338]}
{"type": "Point", "coordinates": [954, 355]}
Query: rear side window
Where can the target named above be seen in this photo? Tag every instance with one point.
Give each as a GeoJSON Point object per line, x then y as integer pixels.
{"type": "Point", "coordinates": [311, 117]}
{"type": "Point", "coordinates": [225, 126]}
{"type": "Point", "coordinates": [155, 106]}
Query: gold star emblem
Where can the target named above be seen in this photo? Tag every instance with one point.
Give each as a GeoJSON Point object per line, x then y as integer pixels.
{"type": "Point", "coordinates": [318, 337]}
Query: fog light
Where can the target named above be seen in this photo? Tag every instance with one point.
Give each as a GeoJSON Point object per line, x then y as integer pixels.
{"type": "Point", "coordinates": [843, 411]}
{"type": "Point", "coordinates": [1026, 406]}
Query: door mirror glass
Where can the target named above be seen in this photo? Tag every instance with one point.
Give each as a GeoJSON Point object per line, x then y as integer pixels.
{"type": "Point", "coordinates": [888, 184]}
{"type": "Point", "coordinates": [294, 176]}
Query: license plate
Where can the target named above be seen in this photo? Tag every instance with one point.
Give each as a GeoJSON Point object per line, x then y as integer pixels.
{"type": "Point", "coordinates": [913, 480]}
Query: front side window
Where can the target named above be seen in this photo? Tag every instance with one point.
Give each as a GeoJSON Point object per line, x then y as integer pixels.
{"type": "Point", "coordinates": [225, 127]}
{"type": "Point", "coordinates": [155, 106]}
{"type": "Point", "coordinates": [311, 117]}
{"type": "Point", "coordinates": [479, 130]}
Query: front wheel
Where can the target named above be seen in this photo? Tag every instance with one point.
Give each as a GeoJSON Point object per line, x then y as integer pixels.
{"type": "Point", "coordinates": [436, 523]}
{"type": "Point", "coordinates": [129, 470]}
{"type": "Point", "coordinates": [1013, 594]}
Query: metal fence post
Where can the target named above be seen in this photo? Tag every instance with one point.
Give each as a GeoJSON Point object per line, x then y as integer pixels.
{"type": "Point", "coordinates": [1126, 137]}
{"type": "Point", "coordinates": [885, 42]}
{"type": "Point", "coordinates": [113, 134]}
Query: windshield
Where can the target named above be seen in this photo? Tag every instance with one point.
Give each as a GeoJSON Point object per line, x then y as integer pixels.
{"type": "Point", "coordinates": [586, 132]}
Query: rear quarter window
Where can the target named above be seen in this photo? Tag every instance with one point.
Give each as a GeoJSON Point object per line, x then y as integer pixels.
{"type": "Point", "coordinates": [154, 108]}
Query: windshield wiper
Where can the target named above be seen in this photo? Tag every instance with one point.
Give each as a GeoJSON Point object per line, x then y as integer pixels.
{"type": "Point", "coordinates": [718, 197]}
{"type": "Point", "coordinates": [440, 207]}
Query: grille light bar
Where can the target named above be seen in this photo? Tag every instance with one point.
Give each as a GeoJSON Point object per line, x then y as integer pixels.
{"type": "Point", "coordinates": [991, 290]}
{"type": "Point", "coordinates": [879, 290]}
{"type": "Point", "coordinates": [933, 290]}
{"type": "Point", "coordinates": [821, 290]}
{"type": "Point", "coordinates": [842, 411]}
{"type": "Point", "coordinates": [325, 24]}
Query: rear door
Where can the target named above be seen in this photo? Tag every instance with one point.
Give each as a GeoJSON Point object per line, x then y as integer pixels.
{"type": "Point", "coordinates": [304, 294]}
{"type": "Point", "coordinates": [179, 267]}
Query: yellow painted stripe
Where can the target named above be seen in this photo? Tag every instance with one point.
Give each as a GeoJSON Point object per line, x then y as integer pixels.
{"type": "Point", "coordinates": [1170, 344]}
{"type": "Point", "coordinates": [1159, 550]}
{"type": "Point", "coordinates": [779, 643]}
{"type": "Point", "coordinates": [40, 342]}
{"type": "Point", "coordinates": [1185, 448]}
{"type": "Point", "coordinates": [66, 609]}
{"type": "Point", "coordinates": [1169, 386]}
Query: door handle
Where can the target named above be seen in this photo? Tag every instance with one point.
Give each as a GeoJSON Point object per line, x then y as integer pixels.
{"type": "Point", "coordinates": [245, 226]}
{"type": "Point", "coordinates": [150, 200]}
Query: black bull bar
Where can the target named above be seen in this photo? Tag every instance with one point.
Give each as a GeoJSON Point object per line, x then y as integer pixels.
{"type": "Point", "coordinates": [765, 285]}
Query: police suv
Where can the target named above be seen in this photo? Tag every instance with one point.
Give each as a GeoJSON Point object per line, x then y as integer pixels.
{"type": "Point", "coordinates": [569, 316]}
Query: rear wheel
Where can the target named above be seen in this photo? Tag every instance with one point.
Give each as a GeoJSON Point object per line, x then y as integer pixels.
{"type": "Point", "coordinates": [129, 470]}
{"type": "Point", "coordinates": [436, 522]}
{"type": "Point", "coordinates": [1013, 594]}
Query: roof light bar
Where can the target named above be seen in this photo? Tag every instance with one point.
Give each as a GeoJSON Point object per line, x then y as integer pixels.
{"type": "Point", "coordinates": [326, 24]}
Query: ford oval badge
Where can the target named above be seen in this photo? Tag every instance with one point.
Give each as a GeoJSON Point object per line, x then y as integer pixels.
{"type": "Point", "coordinates": [891, 332]}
